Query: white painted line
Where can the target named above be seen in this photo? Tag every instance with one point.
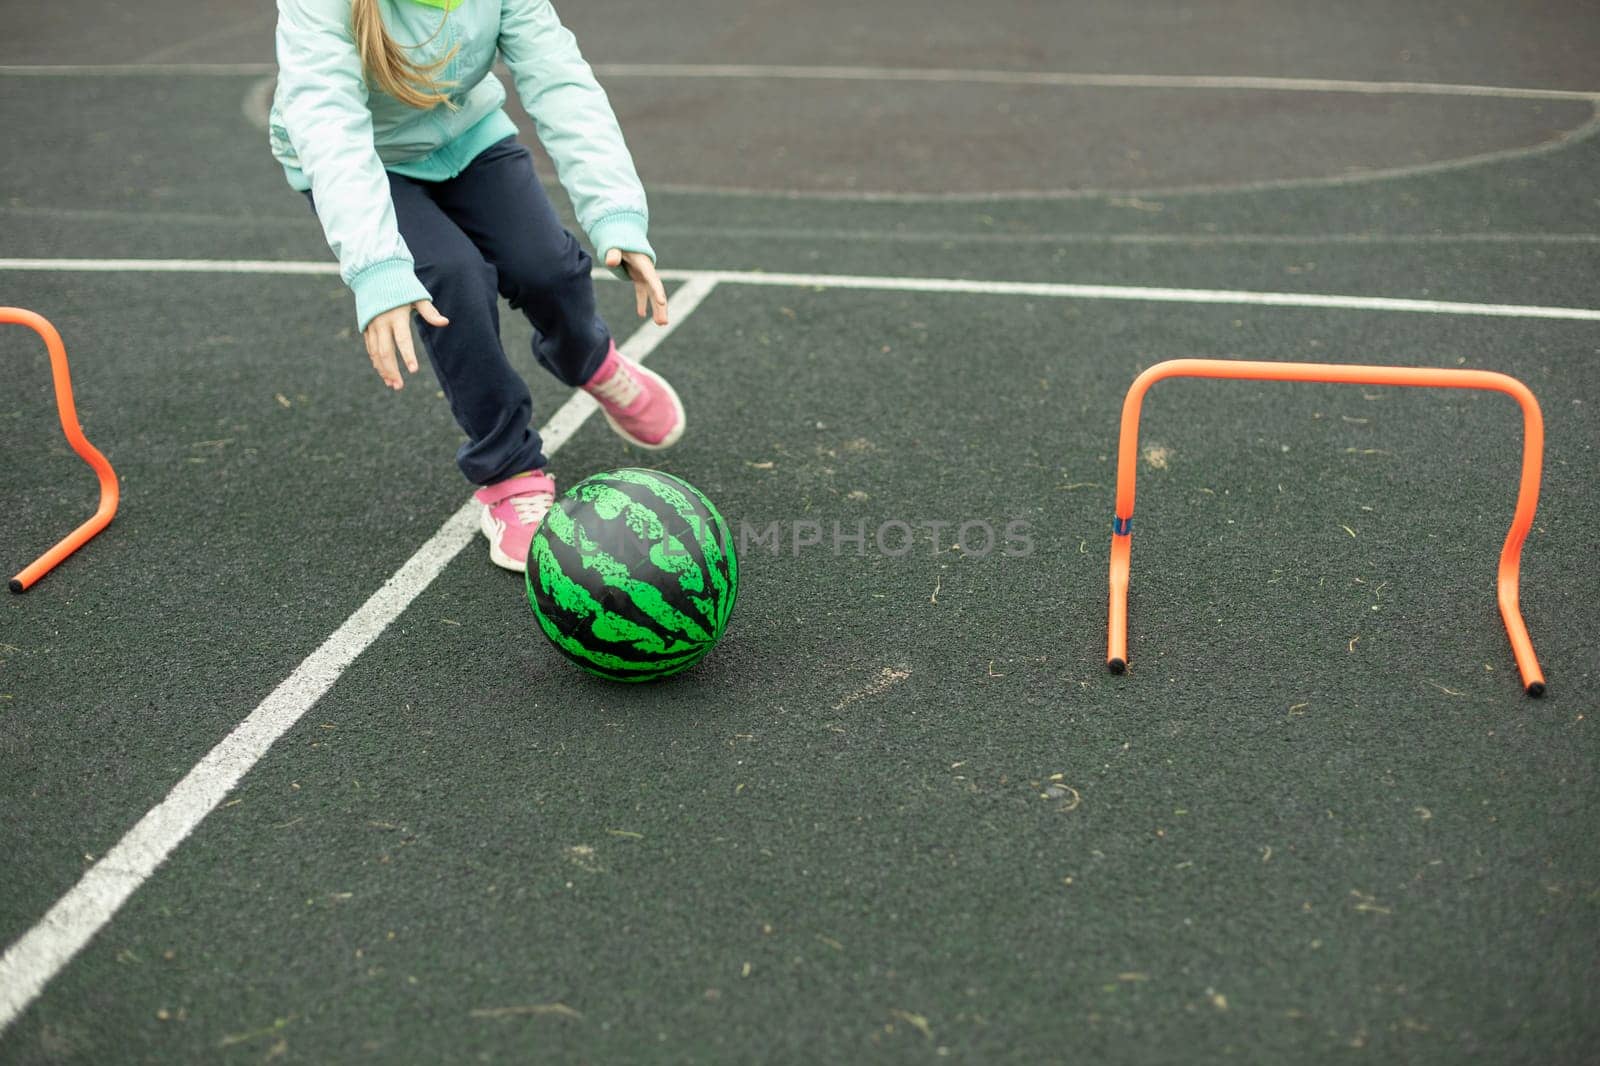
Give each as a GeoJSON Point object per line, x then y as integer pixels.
{"type": "Point", "coordinates": [1068, 79]}
{"type": "Point", "coordinates": [175, 266]}
{"type": "Point", "coordinates": [41, 953]}
{"type": "Point", "coordinates": [1046, 237]}
{"type": "Point", "coordinates": [1141, 293]}
{"type": "Point", "coordinates": [781, 72]}
{"type": "Point", "coordinates": [123, 70]}
{"type": "Point", "coordinates": [254, 220]}
{"type": "Point", "coordinates": [1056, 290]}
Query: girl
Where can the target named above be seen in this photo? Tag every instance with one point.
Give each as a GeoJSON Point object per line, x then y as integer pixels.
{"type": "Point", "coordinates": [386, 116]}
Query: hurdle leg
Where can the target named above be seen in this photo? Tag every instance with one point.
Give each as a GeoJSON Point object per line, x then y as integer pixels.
{"type": "Point", "coordinates": [68, 412]}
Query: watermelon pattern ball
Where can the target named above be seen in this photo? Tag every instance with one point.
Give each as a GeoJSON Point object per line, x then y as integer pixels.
{"type": "Point", "coordinates": [632, 574]}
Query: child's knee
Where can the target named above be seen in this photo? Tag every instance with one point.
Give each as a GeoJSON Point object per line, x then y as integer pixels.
{"type": "Point", "coordinates": [560, 277]}
{"type": "Point", "coordinates": [459, 280]}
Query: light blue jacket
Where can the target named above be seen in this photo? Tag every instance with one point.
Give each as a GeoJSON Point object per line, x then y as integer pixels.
{"type": "Point", "coordinates": [336, 136]}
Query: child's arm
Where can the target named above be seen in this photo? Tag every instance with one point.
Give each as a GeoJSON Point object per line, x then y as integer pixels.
{"type": "Point", "coordinates": [324, 104]}
{"type": "Point", "coordinates": [576, 125]}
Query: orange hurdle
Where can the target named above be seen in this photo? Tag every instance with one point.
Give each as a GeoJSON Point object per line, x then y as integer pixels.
{"type": "Point", "coordinates": [69, 425]}
{"type": "Point", "coordinates": [1510, 554]}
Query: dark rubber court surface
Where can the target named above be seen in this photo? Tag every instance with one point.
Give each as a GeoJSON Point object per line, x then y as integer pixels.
{"type": "Point", "coordinates": [903, 813]}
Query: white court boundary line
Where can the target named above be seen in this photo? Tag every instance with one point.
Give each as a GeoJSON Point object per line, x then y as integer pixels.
{"type": "Point", "coordinates": [1059, 290]}
{"type": "Point", "coordinates": [126, 70]}
{"type": "Point", "coordinates": [1069, 79]}
{"type": "Point", "coordinates": [783, 72]}
{"type": "Point", "coordinates": [29, 964]}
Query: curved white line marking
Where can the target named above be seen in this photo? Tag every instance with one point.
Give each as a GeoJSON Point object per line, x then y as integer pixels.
{"type": "Point", "coordinates": [1561, 142]}
{"type": "Point", "coordinates": [257, 102]}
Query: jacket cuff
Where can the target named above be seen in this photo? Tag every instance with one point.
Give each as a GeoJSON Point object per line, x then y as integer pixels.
{"type": "Point", "coordinates": [624, 230]}
{"type": "Point", "coordinates": [384, 286]}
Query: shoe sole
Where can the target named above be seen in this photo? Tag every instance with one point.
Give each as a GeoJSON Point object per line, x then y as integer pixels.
{"type": "Point", "coordinates": [677, 406]}
{"type": "Point", "coordinates": [487, 524]}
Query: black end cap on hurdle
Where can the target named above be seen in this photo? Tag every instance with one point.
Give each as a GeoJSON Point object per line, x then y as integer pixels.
{"type": "Point", "coordinates": [1536, 689]}
{"type": "Point", "coordinates": [17, 586]}
{"type": "Point", "coordinates": [1117, 666]}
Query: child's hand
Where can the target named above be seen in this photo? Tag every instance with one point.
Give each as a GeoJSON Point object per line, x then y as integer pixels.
{"type": "Point", "coordinates": [646, 285]}
{"type": "Point", "coordinates": [390, 332]}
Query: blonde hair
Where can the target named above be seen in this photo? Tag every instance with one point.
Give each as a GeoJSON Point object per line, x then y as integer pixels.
{"type": "Point", "coordinates": [389, 69]}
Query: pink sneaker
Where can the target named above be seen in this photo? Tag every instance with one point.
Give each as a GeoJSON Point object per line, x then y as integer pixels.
{"type": "Point", "coordinates": [512, 511]}
{"type": "Point", "coordinates": [639, 404]}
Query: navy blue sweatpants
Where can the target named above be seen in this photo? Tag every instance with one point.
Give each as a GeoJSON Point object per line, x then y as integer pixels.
{"type": "Point", "coordinates": [488, 232]}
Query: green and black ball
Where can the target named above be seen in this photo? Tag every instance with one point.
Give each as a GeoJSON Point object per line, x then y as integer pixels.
{"type": "Point", "coordinates": [632, 574]}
